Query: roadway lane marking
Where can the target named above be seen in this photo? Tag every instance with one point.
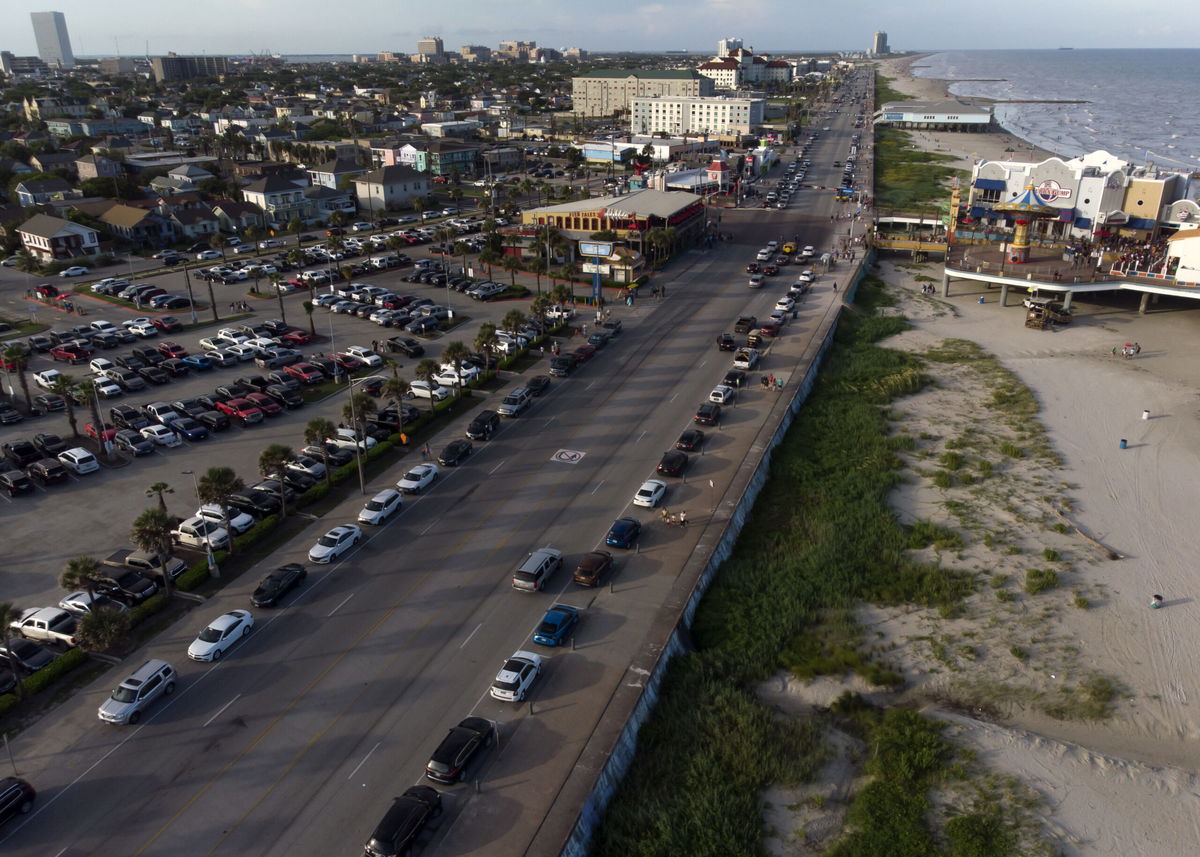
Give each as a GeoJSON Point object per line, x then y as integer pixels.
{"type": "Point", "coordinates": [497, 467]}
{"type": "Point", "coordinates": [364, 761]}
{"type": "Point", "coordinates": [568, 456]}
{"type": "Point", "coordinates": [430, 527]}
{"type": "Point", "coordinates": [597, 488]}
{"type": "Point", "coordinates": [552, 419]}
{"type": "Point", "coordinates": [672, 397]}
{"type": "Point", "coordinates": [701, 364]}
{"type": "Point", "coordinates": [642, 435]}
{"type": "Point", "coordinates": [340, 606]}
{"type": "Point", "coordinates": [221, 710]}
{"type": "Point", "coordinates": [463, 644]}
{"type": "Point", "coordinates": [590, 385]}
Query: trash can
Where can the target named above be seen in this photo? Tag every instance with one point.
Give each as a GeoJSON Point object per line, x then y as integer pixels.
{"type": "Point", "coordinates": [1124, 443]}
{"type": "Point", "coordinates": [1145, 415]}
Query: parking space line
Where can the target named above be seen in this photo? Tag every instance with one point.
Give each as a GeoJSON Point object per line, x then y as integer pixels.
{"type": "Point", "coordinates": [364, 761]}
{"type": "Point", "coordinates": [340, 606]}
{"type": "Point", "coordinates": [497, 467]}
{"type": "Point", "coordinates": [463, 644]}
{"type": "Point", "coordinates": [642, 435]}
{"type": "Point", "coordinates": [598, 484]}
{"type": "Point", "coordinates": [221, 710]}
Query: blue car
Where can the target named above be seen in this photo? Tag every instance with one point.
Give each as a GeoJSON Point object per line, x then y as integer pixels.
{"type": "Point", "coordinates": [556, 626]}
{"type": "Point", "coordinates": [624, 533]}
{"type": "Point", "coordinates": [188, 428]}
{"type": "Point", "coordinates": [198, 361]}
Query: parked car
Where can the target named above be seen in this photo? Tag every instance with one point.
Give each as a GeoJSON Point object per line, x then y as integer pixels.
{"type": "Point", "coordinates": [220, 635]}
{"type": "Point", "coordinates": [405, 819]}
{"type": "Point", "coordinates": [516, 676]}
{"type": "Point", "coordinates": [381, 507]}
{"type": "Point", "coordinates": [335, 543]}
{"type": "Point", "coordinates": [557, 625]}
{"type": "Point", "coordinates": [593, 567]}
{"type": "Point", "coordinates": [459, 748]}
{"type": "Point", "coordinates": [624, 533]}
{"type": "Point", "coordinates": [650, 494]}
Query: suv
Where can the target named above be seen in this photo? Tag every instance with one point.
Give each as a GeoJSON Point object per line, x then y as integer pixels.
{"type": "Point", "coordinates": [16, 798]}
{"type": "Point", "coordinates": [533, 573]}
{"type": "Point", "coordinates": [484, 425]}
{"type": "Point", "coordinates": [452, 756]}
{"type": "Point", "coordinates": [403, 823]}
{"type": "Point", "coordinates": [152, 679]}
{"type": "Point", "coordinates": [515, 402]}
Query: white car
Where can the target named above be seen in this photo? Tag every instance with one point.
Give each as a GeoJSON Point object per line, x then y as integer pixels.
{"type": "Point", "coordinates": [220, 635]}
{"type": "Point", "coordinates": [764, 255]}
{"type": "Point", "coordinates": [46, 378]}
{"type": "Point", "coordinates": [239, 522]}
{"type": "Point", "coordinates": [102, 326]}
{"type": "Point", "coordinates": [807, 276]}
{"type": "Point", "coordinates": [161, 435]}
{"type": "Point", "coordinates": [242, 352]}
{"type": "Point", "coordinates": [362, 226]}
{"type": "Point", "coordinates": [366, 355]}
{"type": "Point", "coordinates": [779, 317]}
{"type": "Point", "coordinates": [420, 477]}
{"type": "Point", "coordinates": [756, 281]}
{"type": "Point", "coordinates": [448, 378]}
{"type": "Point", "coordinates": [650, 494]}
{"type": "Point", "coordinates": [130, 322]}
{"type": "Point", "coordinates": [721, 394]}
{"type": "Point", "coordinates": [785, 303]}
{"type": "Point", "coordinates": [212, 343]}
{"type": "Point", "coordinates": [79, 460]}
{"type": "Point", "coordinates": [207, 254]}
{"type": "Point", "coordinates": [425, 390]}
{"type": "Point", "coordinates": [107, 388]}
{"type": "Point", "coordinates": [773, 246]}
{"type": "Point", "coordinates": [100, 365]}
{"type": "Point", "coordinates": [82, 603]}
{"type": "Point", "coordinates": [347, 438]}
{"type": "Point", "coordinates": [335, 543]}
{"type": "Point", "coordinates": [198, 532]}
{"type": "Point", "coordinates": [143, 329]}
{"type": "Point", "coordinates": [73, 271]}
{"type": "Point", "coordinates": [381, 507]}
{"type": "Point", "coordinates": [222, 357]}
{"type": "Point", "coordinates": [808, 252]}
{"type": "Point", "coordinates": [516, 677]}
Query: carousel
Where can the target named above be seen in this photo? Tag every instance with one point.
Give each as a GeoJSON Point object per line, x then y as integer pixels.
{"type": "Point", "coordinates": [1024, 210]}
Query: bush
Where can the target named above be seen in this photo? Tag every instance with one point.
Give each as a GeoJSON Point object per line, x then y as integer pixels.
{"type": "Point", "coordinates": [256, 533]}
{"type": "Point", "coordinates": [313, 494]}
{"type": "Point", "coordinates": [7, 701]}
{"type": "Point", "coordinates": [193, 578]}
{"type": "Point", "coordinates": [154, 603]}
{"type": "Point", "coordinates": [378, 450]}
{"type": "Point", "coordinates": [951, 460]}
{"type": "Point", "coordinates": [1038, 580]}
{"type": "Point", "coordinates": [60, 666]}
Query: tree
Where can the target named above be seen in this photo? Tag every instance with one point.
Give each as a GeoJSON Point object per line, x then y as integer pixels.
{"type": "Point", "coordinates": [295, 227]}
{"type": "Point", "coordinates": [338, 218]}
{"type": "Point", "coordinates": [158, 489]}
{"type": "Point", "coordinates": [18, 358]}
{"type": "Point", "coordinates": [64, 385]}
{"type": "Point", "coordinates": [216, 486]}
{"type": "Point", "coordinates": [561, 294]}
{"type": "Point", "coordinates": [395, 389]}
{"type": "Point", "coordinates": [539, 306]}
{"type": "Point", "coordinates": [424, 371]}
{"type": "Point", "coordinates": [80, 572]}
{"type": "Point", "coordinates": [512, 321]}
{"type": "Point", "coordinates": [10, 613]}
{"type": "Point", "coordinates": [488, 257]}
{"type": "Point", "coordinates": [455, 353]}
{"type": "Point", "coordinates": [102, 630]}
{"type": "Point", "coordinates": [253, 233]}
{"type": "Point", "coordinates": [275, 280]}
{"type": "Point", "coordinates": [151, 532]}
{"type": "Point", "coordinates": [87, 392]}
{"type": "Point", "coordinates": [315, 434]}
{"type": "Point", "coordinates": [571, 272]}
{"type": "Point", "coordinates": [511, 264]}
{"type": "Point", "coordinates": [356, 410]}
{"type": "Point", "coordinates": [272, 463]}
{"type": "Point", "coordinates": [539, 267]}
{"type": "Point", "coordinates": [219, 242]}
{"type": "Point", "coordinates": [486, 341]}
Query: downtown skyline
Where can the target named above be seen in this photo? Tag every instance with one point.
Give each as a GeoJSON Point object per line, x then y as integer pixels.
{"type": "Point", "coordinates": [242, 27]}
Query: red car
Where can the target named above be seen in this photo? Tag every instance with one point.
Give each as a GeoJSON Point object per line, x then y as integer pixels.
{"type": "Point", "coordinates": [265, 403]}
{"type": "Point", "coordinates": [782, 260]}
{"type": "Point", "coordinates": [770, 270]}
{"type": "Point", "coordinates": [753, 268]}
{"type": "Point", "coordinates": [171, 349]}
{"type": "Point", "coordinates": [109, 431]}
{"type": "Point", "coordinates": [347, 361]}
{"type": "Point", "coordinates": [71, 353]}
{"type": "Point", "coordinates": [769, 328]}
{"type": "Point", "coordinates": [305, 373]}
{"type": "Point", "coordinates": [296, 337]}
{"type": "Point", "coordinates": [242, 410]}
{"type": "Point", "coordinates": [167, 324]}
{"type": "Point", "coordinates": [584, 353]}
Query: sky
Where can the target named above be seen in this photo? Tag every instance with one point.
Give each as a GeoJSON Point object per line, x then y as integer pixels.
{"type": "Point", "coordinates": [242, 27]}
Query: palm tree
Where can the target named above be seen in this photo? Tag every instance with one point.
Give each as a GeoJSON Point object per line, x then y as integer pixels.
{"type": "Point", "coordinates": [275, 279]}
{"type": "Point", "coordinates": [424, 371]}
{"type": "Point", "coordinates": [295, 257]}
{"type": "Point", "coordinates": [219, 242]}
{"type": "Point", "coordinates": [396, 388]}
{"type": "Point", "coordinates": [296, 227]}
{"type": "Point", "coordinates": [462, 248]}
{"type": "Point", "coordinates": [570, 272]}
{"type": "Point", "coordinates": [102, 630]}
{"type": "Point", "coordinates": [539, 267]}
{"type": "Point", "coordinates": [486, 340]}
{"type": "Point", "coordinates": [158, 489]}
{"type": "Point", "coordinates": [81, 572]}
{"type": "Point", "coordinates": [512, 321]}
{"type": "Point", "coordinates": [455, 353]}
{"type": "Point", "coordinates": [151, 532]}
{"type": "Point", "coordinates": [17, 357]}
{"type": "Point", "coordinates": [272, 463]}
{"type": "Point", "coordinates": [64, 385]}
{"type": "Point", "coordinates": [539, 306]}
{"type": "Point", "coordinates": [488, 257]}
{"type": "Point", "coordinates": [253, 233]}
{"type": "Point", "coordinates": [338, 218]}
{"type": "Point", "coordinates": [216, 486]}
{"type": "Point", "coordinates": [9, 613]}
{"type": "Point", "coordinates": [86, 390]}
{"type": "Point", "coordinates": [315, 433]}
{"type": "Point", "coordinates": [511, 264]}
{"type": "Point", "coordinates": [561, 294]}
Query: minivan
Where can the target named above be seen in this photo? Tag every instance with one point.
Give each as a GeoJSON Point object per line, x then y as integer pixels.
{"type": "Point", "coordinates": [537, 568]}
{"type": "Point", "coordinates": [131, 697]}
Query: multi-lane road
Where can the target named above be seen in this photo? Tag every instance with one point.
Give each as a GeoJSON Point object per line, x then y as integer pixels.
{"type": "Point", "coordinates": [296, 742]}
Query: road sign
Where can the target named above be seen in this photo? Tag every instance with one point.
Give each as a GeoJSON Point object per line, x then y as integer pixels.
{"type": "Point", "coordinates": [568, 456]}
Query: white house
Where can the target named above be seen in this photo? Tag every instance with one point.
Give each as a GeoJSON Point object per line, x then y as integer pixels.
{"type": "Point", "coordinates": [390, 188]}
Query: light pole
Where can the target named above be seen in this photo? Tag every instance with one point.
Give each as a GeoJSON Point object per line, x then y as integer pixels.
{"type": "Point", "coordinates": [359, 442]}
{"type": "Point", "coordinates": [213, 569]}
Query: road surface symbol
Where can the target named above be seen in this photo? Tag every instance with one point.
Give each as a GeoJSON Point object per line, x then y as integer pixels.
{"type": "Point", "coordinates": [568, 456]}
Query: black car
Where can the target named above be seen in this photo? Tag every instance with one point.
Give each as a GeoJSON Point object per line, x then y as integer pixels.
{"type": "Point", "coordinates": [128, 417]}
{"type": "Point", "coordinates": [458, 748]}
{"type": "Point", "coordinates": [673, 463]}
{"type": "Point", "coordinates": [484, 424]}
{"type": "Point", "coordinates": [49, 403]}
{"type": "Point", "coordinates": [404, 821]}
{"type": "Point", "coordinates": [708, 414]}
{"type": "Point", "coordinates": [285, 396]}
{"type": "Point", "coordinates": [455, 452]}
{"type": "Point", "coordinates": [213, 420]}
{"type": "Point", "coordinates": [16, 797]}
{"type": "Point", "coordinates": [30, 657]}
{"type": "Point", "coordinates": [49, 444]}
{"type": "Point", "coordinates": [298, 481]}
{"type": "Point", "coordinates": [538, 384]}
{"type": "Point", "coordinates": [734, 378]}
{"type": "Point", "coordinates": [129, 587]}
{"type": "Point", "coordinates": [130, 441]}
{"type": "Point", "coordinates": [562, 365]}
{"type": "Point", "coordinates": [372, 386]}
{"type": "Point", "coordinates": [335, 455]}
{"type": "Point", "coordinates": [14, 482]}
{"type": "Point", "coordinates": [189, 407]}
{"type": "Point", "coordinates": [175, 367]}
{"type": "Point", "coordinates": [48, 471]}
{"type": "Point", "coordinates": [256, 503]}
{"type": "Point", "coordinates": [154, 375]}
{"type": "Point", "coordinates": [22, 453]}
{"type": "Point", "coordinates": [690, 441]}
{"type": "Point", "coordinates": [9, 415]}
{"type": "Point", "coordinates": [40, 344]}
{"type": "Point", "coordinates": [406, 345]}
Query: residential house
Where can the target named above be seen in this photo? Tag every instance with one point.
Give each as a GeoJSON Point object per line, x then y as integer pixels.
{"type": "Point", "coordinates": [324, 201]}
{"type": "Point", "coordinates": [41, 191]}
{"type": "Point", "coordinates": [237, 216]}
{"type": "Point", "coordinates": [280, 199]}
{"type": "Point", "coordinates": [332, 174]}
{"type": "Point", "coordinates": [37, 109]}
{"type": "Point", "coordinates": [98, 167]}
{"type": "Point", "coordinates": [441, 157]}
{"type": "Point", "coordinates": [181, 179]}
{"type": "Point", "coordinates": [53, 238]}
{"type": "Point", "coordinates": [45, 162]}
{"type": "Point", "coordinates": [390, 188]}
{"type": "Point", "coordinates": [197, 222]}
{"type": "Point", "coordinates": [138, 227]}
{"type": "Point", "coordinates": [9, 165]}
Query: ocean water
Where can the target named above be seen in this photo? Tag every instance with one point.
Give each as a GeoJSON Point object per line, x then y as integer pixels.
{"type": "Point", "coordinates": [1139, 104]}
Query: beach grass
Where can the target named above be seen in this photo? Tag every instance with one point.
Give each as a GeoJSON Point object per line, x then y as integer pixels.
{"type": "Point", "coordinates": [909, 179]}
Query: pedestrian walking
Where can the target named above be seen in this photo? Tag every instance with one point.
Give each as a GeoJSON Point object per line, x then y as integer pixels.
{"type": "Point", "coordinates": [835, 287]}
{"type": "Point", "coordinates": [231, 306]}
{"type": "Point", "coordinates": [779, 384]}
{"type": "Point", "coordinates": [1137, 349]}
{"type": "Point", "coordinates": [425, 453]}
{"type": "Point", "coordinates": [683, 519]}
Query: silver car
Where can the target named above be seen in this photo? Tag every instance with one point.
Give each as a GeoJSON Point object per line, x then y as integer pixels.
{"type": "Point", "coordinates": [131, 697]}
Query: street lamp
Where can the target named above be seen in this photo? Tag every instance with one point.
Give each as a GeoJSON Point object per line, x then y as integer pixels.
{"type": "Point", "coordinates": [359, 442]}
{"type": "Point", "coordinates": [213, 569]}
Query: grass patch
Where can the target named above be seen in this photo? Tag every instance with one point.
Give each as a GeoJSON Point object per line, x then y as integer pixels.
{"type": "Point", "coordinates": [1039, 580]}
{"type": "Point", "coordinates": [908, 178]}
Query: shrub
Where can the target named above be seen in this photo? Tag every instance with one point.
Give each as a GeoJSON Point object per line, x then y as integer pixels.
{"type": "Point", "coordinates": [1051, 555]}
{"type": "Point", "coordinates": [985, 468]}
{"type": "Point", "coordinates": [259, 531]}
{"type": "Point", "coordinates": [60, 666]}
{"type": "Point", "coordinates": [156, 602]}
{"type": "Point", "coordinates": [943, 479]}
{"type": "Point", "coordinates": [313, 494]}
{"type": "Point", "coordinates": [7, 701]}
{"type": "Point", "coordinates": [1038, 580]}
{"type": "Point", "coordinates": [1012, 450]}
{"type": "Point", "coordinates": [194, 577]}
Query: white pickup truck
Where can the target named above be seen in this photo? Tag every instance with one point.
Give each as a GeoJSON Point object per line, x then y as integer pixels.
{"type": "Point", "coordinates": [48, 624]}
{"type": "Point", "coordinates": [560, 313]}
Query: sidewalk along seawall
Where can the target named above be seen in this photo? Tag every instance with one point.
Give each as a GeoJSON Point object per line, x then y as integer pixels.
{"type": "Point", "coordinates": [620, 755]}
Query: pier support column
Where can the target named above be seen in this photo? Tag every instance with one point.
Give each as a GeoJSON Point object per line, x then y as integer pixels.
{"type": "Point", "coordinates": [1067, 300]}
{"type": "Point", "coordinates": [1144, 303]}
{"type": "Point", "coordinates": [1004, 294]}
{"type": "Point", "coordinates": [945, 285]}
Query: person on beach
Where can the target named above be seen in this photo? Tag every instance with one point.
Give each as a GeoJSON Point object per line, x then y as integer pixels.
{"type": "Point", "coordinates": [1156, 601]}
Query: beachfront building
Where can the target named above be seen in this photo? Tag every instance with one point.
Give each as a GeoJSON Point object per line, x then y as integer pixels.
{"type": "Point", "coordinates": [1183, 254]}
{"type": "Point", "coordinates": [946, 115]}
{"type": "Point", "coordinates": [1096, 195]}
{"type": "Point", "coordinates": [609, 92]}
{"type": "Point", "coordinates": [695, 115]}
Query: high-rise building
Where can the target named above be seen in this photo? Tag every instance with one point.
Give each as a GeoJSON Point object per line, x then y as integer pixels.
{"type": "Point", "coordinates": [725, 47]}
{"type": "Point", "coordinates": [879, 45]}
{"type": "Point", "coordinates": [175, 67]}
{"type": "Point", "coordinates": [430, 46]}
{"type": "Point", "coordinates": [53, 42]}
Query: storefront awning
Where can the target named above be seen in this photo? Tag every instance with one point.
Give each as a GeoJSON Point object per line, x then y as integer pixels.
{"type": "Point", "coordinates": [990, 184]}
{"type": "Point", "coordinates": [1066, 215]}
